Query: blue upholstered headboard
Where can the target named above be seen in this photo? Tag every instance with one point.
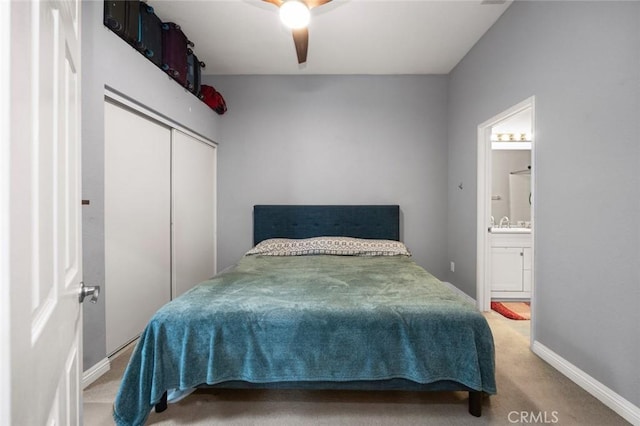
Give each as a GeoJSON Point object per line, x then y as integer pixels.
{"type": "Point", "coordinates": [295, 221]}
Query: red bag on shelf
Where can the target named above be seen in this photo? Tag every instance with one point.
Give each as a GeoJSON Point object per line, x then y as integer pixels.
{"type": "Point", "coordinates": [213, 98]}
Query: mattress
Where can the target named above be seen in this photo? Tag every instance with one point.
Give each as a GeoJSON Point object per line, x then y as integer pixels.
{"type": "Point", "coordinates": [310, 319]}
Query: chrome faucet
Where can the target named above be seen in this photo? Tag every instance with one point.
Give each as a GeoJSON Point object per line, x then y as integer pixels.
{"type": "Point", "coordinates": [504, 221]}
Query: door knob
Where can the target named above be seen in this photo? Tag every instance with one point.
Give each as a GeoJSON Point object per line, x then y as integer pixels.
{"type": "Point", "coordinates": [93, 291]}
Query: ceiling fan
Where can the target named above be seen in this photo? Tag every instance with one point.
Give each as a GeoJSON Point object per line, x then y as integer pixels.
{"type": "Point", "coordinates": [295, 15]}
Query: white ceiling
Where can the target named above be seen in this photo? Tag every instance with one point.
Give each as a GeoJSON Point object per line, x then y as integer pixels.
{"type": "Point", "coordinates": [345, 36]}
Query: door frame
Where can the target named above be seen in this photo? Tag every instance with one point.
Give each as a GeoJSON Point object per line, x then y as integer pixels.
{"type": "Point", "coordinates": [5, 280]}
{"type": "Point", "coordinates": [483, 267]}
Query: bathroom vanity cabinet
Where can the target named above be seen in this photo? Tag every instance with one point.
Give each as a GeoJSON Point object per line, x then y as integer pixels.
{"type": "Point", "coordinates": [511, 265]}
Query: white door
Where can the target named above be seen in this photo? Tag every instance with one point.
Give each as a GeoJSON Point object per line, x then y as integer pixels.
{"type": "Point", "coordinates": [193, 197]}
{"type": "Point", "coordinates": [40, 217]}
{"type": "Point", "coordinates": [137, 215]}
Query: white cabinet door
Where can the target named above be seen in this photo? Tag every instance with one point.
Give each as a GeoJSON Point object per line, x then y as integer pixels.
{"type": "Point", "coordinates": [194, 220]}
{"type": "Point", "coordinates": [506, 269]}
{"type": "Point", "coordinates": [137, 222]}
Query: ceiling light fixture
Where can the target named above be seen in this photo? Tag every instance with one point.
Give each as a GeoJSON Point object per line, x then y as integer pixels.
{"type": "Point", "coordinates": [295, 14]}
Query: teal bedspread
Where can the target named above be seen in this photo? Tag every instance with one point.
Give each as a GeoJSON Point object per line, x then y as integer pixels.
{"type": "Point", "coordinates": [309, 318]}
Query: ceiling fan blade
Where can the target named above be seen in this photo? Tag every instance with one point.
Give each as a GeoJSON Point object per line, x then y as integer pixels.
{"type": "Point", "coordinates": [276, 2]}
{"type": "Point", "coordinates": [301, 40]}
{"type": "Point", "coordinates": [315, 3]}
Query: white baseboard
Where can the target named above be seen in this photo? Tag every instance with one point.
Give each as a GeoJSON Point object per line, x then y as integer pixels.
{"type": "Point", "coordinates": [460, 292]}
{"type": "Point", "coordinates": [95, 372]}
{"type": "Point", "coordinates": [608, 397]}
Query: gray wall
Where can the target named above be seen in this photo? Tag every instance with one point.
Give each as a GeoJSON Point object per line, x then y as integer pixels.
{"type": "Point", "coordinates": [581, 60]}
{"type": "Point", "coordinates": [109, 61]}
{"type": "Point", "coordinates": [334, 140]}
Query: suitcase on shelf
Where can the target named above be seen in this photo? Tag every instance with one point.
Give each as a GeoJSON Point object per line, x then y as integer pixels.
{"type": "Point", "coordinates": [194, 72]}
{"type": "Point", "coordinates": [174, 52]}
{"type": "Point", "coordinates": [150, 34]}
{"type": "Point", "coordinates": [122, 17]}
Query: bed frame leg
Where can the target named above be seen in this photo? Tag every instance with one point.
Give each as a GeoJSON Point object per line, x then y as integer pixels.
{"type": "Point", "coordinates": [162, 404]}
{"type": "Point", "coordinates": [475, 403]}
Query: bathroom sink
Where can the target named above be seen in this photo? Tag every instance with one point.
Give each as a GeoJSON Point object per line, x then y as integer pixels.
{"type": "Point", "coordinates": [495, 230]}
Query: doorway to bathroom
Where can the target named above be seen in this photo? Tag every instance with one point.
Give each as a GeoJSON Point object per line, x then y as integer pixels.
{"type": "Point", "coordinates": [505, 255]}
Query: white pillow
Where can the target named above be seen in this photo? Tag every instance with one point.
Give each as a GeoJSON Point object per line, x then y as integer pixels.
{"type": "Point", "coordinates": [340, 246]}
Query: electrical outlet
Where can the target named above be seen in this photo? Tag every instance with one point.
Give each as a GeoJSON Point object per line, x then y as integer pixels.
{"type": "Point", "coordinates": [453, 266]}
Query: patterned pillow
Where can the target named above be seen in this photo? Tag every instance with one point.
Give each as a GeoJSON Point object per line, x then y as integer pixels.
{"type": "Point", "coordinates": [340, 246]}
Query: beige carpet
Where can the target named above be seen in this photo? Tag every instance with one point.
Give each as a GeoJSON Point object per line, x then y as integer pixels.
{"type": "Point", "coordinates": [527, 387]}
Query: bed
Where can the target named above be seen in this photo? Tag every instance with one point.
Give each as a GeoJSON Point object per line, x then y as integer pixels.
{"type": "Point", "coordinates": [328, 298]}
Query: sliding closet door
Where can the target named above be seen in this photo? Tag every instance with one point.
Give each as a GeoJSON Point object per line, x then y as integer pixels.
{"type": "Point", "coordinates": [194, 221]}
{"type": "Point", "coordinates": [137, 222]}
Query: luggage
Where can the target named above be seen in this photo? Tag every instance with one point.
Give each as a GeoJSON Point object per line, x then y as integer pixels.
{"type": "Point", "coordinates": [213, 98]}
{"type": "Point", "coordinates": [122, 17]}
{"type": "Point", "coordinates": [174, 52]}
{"type": "Point", "coordinates": [194, 72]}
{"type": "Point", "coordinates": [149, 40]}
